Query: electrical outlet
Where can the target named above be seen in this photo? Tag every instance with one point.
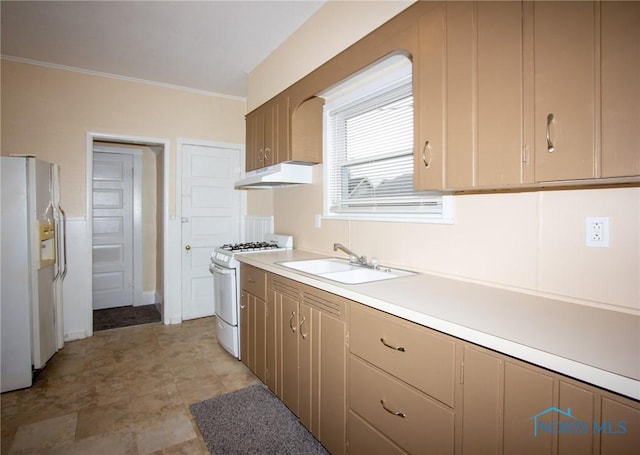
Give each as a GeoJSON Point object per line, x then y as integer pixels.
{"type": "Point", "coordinates": [598, 231]}
{"type": "Point", "coordinates": [317, 220]}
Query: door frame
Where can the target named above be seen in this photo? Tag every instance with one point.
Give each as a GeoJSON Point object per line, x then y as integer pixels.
{"type": "Point", "coordinates": [169, 282]}
{"type": "Point", "coordinates": [136, 154]}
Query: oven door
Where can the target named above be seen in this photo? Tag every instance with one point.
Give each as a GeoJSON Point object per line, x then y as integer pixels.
{"type": "Point", "coordinates": [225, 284]}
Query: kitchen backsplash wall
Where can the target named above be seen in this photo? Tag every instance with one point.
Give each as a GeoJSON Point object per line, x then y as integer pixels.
{"type": "Point", "coordinates": [530, 241]}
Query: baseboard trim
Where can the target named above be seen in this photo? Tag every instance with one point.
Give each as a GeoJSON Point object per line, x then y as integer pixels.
{"type": "Point", "coordinates": [76, 335]}
{"type": "Point", "coordinates": [150, 298]}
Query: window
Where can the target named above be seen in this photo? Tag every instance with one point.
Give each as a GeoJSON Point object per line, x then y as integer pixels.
{"type": "Point", "coordinates": [369, 149]}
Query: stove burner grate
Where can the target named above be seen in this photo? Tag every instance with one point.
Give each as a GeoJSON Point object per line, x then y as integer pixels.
{"type": "Point", "coordinates": [249, 246]}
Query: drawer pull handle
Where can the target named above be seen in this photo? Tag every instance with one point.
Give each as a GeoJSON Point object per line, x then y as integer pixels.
{"type": "Point", "coordinates": [293, 314]}
{"type": "Point", "coordinates": [397, 414]}
{"type": "Point", "coordinates": [396, 348]}
{"type": "Point", "coordinates": [251, 281]}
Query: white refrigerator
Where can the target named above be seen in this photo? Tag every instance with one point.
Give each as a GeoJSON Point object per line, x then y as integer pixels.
{"type": "Point", "coordinates": [32, 268]}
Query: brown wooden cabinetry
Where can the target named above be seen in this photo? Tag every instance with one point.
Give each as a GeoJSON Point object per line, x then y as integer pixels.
{"type": "Point", "coordinates": [286, 297]}
{"type": "Point", "coordinates": [620, 418]}
{"type": "Point", "coordinates": [402, 382]}
{"type": "Point", "coordinates": [429, 102]}
{"type": "Point", "coordinates": [565, 90]}
{"type": "Point", "coordinates": [512, 406]}
{"type": "Point", "coordinates": [582, 402]}
{"type": "Point", "coordinates": [527, 392]}
{"type": "Point", "coordinates": [307, 131]}
{"type": "Point", "coordinates": [502, 124]}
{"type": "Point", "coordinates": [253, 320]}
{"type": "Point", "coordinates": [469, 97]}
{"type": "Point", "coordinates": [507, 95]}
{"type": "Point", "coordinates": [483, 415]}
{"type": "Point", "coordinates": [267, 134]}
{"type": "Point", "coordinates": [525, 94]}
{"type": "Point", "coordinates": [364, 380]}
{"type": "Point", "coordinates": [620, 81]}
{"type": "Point", "coordinates": [311, 358]}
{"type": "Point", "coordinates": [587, 86]}
{"type": "Point", "coordinates": [275, 134]}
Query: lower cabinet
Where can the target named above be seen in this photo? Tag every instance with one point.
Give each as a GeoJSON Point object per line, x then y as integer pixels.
{"type": "Point", "coordinates": [253, 320]}
{"type": "Point", "coordinates": [367, 382]}
{"type": "Point", "coordinates": [411, 419]}
{"type": "Point", "coordinates": [311, 358]}
{"type": "Point", "coordinates": [403, 387]}
{"type": "Point", "coordinates": [512, 406]}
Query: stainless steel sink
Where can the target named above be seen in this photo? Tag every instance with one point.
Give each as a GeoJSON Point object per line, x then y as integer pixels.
{"type": "Point", "coordinates": [342, 271]}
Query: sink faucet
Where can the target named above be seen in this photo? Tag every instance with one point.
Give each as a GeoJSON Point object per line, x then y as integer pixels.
{"type": "Point", "coordinates": [353, 257]}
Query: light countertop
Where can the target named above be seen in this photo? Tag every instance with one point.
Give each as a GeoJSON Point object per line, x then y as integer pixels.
{"type": "Point", "coordinates": [598, 346]}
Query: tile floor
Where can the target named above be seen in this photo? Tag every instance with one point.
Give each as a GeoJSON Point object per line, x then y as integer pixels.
{"type": "Point", "coordinates": [123, 391]}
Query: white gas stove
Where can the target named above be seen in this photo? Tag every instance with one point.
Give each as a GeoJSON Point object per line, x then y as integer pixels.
{"type": "Point", "coordinates": [224, 255]}
{"type": "Point", "coordinates": [226, 284]}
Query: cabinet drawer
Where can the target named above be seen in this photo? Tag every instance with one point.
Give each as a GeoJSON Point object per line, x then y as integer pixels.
{"type": "Point", "coordinates": [427, 426]}
{"type": "Point", "coordinates": [254, 281]}
{"type": "Point", "coordinates": [366, 440]}
{"type": "Point", "coordinates": [419, 356]}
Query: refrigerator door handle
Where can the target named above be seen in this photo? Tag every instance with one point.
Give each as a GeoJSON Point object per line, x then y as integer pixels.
{"type": "Point", "coordinates": [63, 238]}
{"type": "Point", "coordinates": [56, 229]}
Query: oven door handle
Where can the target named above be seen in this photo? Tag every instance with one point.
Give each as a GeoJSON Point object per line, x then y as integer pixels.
{"type": "Point", "coordinates": [214, 268]}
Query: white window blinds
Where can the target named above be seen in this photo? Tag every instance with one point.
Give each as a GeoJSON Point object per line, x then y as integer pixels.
{"type": "Point", "coordinates": [369, 154]}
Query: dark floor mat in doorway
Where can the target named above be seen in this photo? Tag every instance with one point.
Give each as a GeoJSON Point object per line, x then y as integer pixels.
{"type": "Point", "coordinates": [124, 316]}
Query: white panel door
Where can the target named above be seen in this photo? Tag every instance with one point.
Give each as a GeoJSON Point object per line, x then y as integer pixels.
{"type": "Point", "coordinates": [210, 218]}
{"type": "Point", "coordinates": [112, 230]}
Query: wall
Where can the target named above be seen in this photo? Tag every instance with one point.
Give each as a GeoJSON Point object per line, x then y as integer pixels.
{"type": "Point", "coordinates": [49, 111]}
{"type": "Point", "coordinates": [530, 241]}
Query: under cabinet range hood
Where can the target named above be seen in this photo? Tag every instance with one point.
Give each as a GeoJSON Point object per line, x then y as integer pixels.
{"type": "Point", "coordinates": [278, 175]}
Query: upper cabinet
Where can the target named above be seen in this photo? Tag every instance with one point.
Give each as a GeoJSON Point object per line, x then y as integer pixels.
{"type": "Point", "coordinates": [429, 101]}
{"type": "Point", "coordinates": [502, 158]}
{"type": "Point", "coordinates": [277, 133]}
{"type": "Point", "coordinates": [468, 87]}
{"type": "Point", "coordinates": [267, 134]}
{"type": "Point", "coordinates": [587, 90]}
{"type": "Point", "coordinates": [527, 94]}
{"type": "Point", "coordinates": [306, 131]}
{"type": "Point", "coordinates": [620, 82]}
{"type": "Point", "coordinates": [565, 90]}
{"type": "Point", "coordinates": [507, 95]}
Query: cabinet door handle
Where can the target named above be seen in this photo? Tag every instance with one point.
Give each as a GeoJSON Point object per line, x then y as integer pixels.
{"type": "Point", "coordinates": [266, 153]}
{"type": "Point", "coordinates": [396, 348]}
{"type": "Point", "coordinates": [550, 147]}
{"type": "Point", "coordinates": [424, 154]}
{"type": "Point", "coordinates": [395, 413]}
{"type": "Point", "coordinates": [293, 315]}
{"type": "Point", "coordinates": [261, 155]}
{"type": "Point", "coordinates": [251, 281]}
{"type": "Point", "coordinates": [303, 335]}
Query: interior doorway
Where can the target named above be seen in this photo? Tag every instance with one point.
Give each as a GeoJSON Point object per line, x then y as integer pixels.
{"type": "Point", "coordinates": [126, 208]}
{"type": "Point", "coordinates": [117, 226]}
